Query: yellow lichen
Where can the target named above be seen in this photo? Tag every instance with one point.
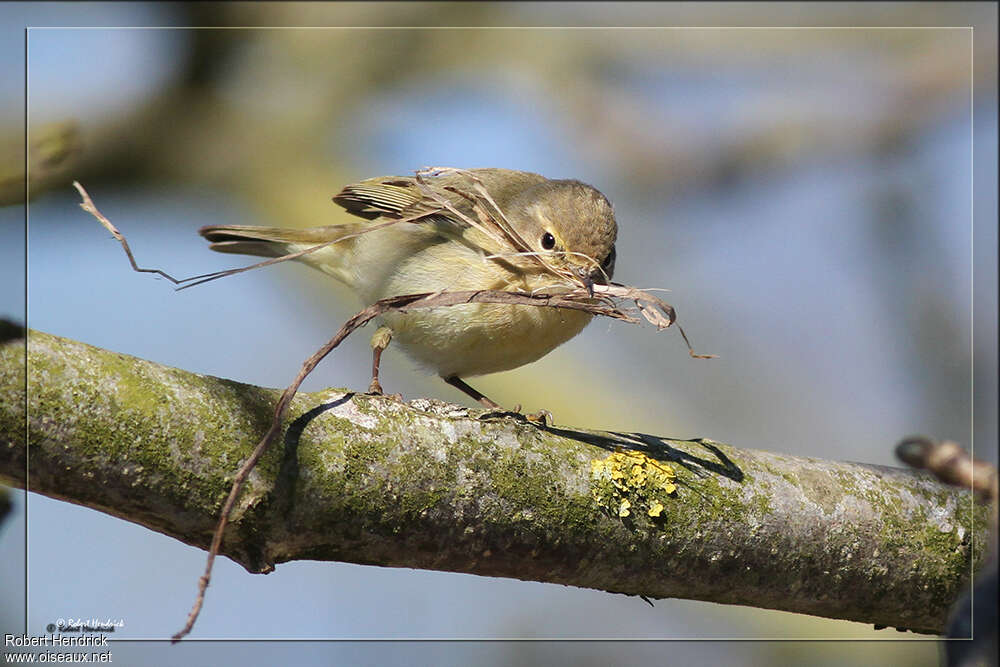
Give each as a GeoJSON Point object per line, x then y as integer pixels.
{"type": "Point", "coordinates": [623, 508]}
{"type": "Point", "coordinates": [655, 508]}
{"type": "Point", "coordinates": [630, 479]}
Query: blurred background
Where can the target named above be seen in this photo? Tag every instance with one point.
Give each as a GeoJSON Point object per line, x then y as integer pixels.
{"type": "Point", "coordinates": [820, 201]}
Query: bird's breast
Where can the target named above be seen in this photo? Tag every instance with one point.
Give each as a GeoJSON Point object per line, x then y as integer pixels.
{"type": "Point", "coordinates": [463, 340]}
{"type": "Point", "coordinates": [476, 339]}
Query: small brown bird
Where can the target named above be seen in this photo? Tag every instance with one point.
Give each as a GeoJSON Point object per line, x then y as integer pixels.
{"type": "Point", "coordinates": [423, 234]}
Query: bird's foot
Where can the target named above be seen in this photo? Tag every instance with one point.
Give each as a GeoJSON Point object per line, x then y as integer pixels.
{"type": "Point", "coordinates": [542, 417]}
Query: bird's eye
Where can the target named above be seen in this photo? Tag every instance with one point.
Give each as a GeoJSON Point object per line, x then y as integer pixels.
{"type": "Point", "coordinates": [548, 241]}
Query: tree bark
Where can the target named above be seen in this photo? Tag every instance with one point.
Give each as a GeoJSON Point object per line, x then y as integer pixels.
{"type": "Point", "coordinates": [424, 484]}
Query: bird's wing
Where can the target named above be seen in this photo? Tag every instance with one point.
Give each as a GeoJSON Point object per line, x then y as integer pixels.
{"type": "Point", "coordinates": [449, 201]}
{"type": "Point", "coordinates": [405, 196]}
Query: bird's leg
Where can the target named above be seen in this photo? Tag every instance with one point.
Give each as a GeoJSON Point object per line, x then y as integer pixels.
{"type": "Point", "coordinates": [543, 417]}
{"type": "Point", "coordinates": [457, 383]}
{"type": "Point", "coordinates": [380, 341]}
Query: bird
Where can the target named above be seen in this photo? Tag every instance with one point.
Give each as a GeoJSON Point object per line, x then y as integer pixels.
{"type": "Point", "coordinates": [449, 229]}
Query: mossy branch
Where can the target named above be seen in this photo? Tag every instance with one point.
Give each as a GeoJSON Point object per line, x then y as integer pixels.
{"type": "Point", "coordinates": [372, 480]}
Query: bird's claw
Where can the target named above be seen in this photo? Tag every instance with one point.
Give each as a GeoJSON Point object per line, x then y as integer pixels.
{"type": "Point", "coordinates": [542, 417]}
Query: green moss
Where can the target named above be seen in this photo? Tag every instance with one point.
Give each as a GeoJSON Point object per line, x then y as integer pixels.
{"type": "Point", "coordinates": [138, 397]}
{"type": "Point", "coordinates": [945, 554]}
{"type": "Point", "coordinates": [760, 503]}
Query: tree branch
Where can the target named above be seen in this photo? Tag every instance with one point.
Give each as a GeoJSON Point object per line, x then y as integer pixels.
{"type": "Point", "coordinates": [371, 480]}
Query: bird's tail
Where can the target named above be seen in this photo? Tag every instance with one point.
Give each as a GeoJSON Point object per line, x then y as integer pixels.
{"type": "Point", "coordinates": [278, 242]}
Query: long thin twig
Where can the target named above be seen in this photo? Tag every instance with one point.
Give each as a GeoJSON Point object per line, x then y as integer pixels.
{"type": "Point", "coordinates": [602, 301]}
{"type": "Point", "coordinates": [397, 303]}
{"type": "Point", "coordinates": [88, 205]}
